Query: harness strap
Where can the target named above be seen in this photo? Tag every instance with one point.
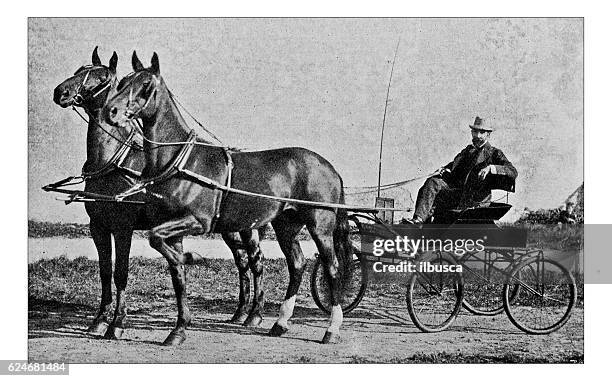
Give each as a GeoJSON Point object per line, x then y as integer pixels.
{"type": "Point", "coordinates": [179, 160]}
{"type": "Point", "coordinates": [115, 161]}
{"type": "Point", "coordinates": [214, 184]}
{"type": "Point", "coordinates": [176, 167]}
{"type": "Point", "coordinates": [63, 183]}
{"type": "Point", "coordinates": [223, 196]}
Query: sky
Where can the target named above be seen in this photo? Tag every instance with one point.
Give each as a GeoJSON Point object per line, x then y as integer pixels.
{"type": "Point", "coordinates": [321, 84]}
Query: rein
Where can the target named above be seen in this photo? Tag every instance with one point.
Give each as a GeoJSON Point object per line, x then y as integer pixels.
{"type": "Point", "coordinates": [372, 189]}
{"type": "Point", "coordinates": [115, 162]}
{"type": "Point", "coordinates": [93, 119]}
{"type": "Point", "coordinates": [179, 161]}
{"type": "Point", "coordinates": [177, 167]}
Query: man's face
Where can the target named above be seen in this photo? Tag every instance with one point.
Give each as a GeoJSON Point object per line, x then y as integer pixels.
{"type": "Point", "coordinates": [480, 137]}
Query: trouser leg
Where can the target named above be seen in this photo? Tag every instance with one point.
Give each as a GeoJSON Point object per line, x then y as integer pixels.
{"type": "Point", "coordinates": [437, 192]}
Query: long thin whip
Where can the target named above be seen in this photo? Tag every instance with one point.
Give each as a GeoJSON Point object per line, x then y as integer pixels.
{"type": "Point", "coordinates": [382, 131]}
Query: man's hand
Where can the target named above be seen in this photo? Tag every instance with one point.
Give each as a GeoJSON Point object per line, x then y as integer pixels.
{"type": "Point", "coordinates": [486, 171]}
{"type": "Point", "coordinates": [442, 171]}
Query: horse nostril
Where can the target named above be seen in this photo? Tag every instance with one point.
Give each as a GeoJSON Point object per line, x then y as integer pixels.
{"type": "Point", "coordinates": [113, 112]}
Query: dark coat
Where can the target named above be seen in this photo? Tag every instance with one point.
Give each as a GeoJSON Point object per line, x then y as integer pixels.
{"type": "Point", "coordinates": [465, 167]}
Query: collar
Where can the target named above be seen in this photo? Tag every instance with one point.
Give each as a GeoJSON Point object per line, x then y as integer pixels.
{"type": "Point", "coordinates": [481, 146]}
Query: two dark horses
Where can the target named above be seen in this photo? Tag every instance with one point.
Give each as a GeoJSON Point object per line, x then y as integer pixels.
{"type": "Point", "coordinates": [178, 206]}
{"type": "Point", "coordinates": [107, 173]}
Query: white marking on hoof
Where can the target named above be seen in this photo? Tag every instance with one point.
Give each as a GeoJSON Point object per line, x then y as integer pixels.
{"type": "Point", "coordinates": [335, 321]}
{"type": "Point", "coordinates": [285, 312]}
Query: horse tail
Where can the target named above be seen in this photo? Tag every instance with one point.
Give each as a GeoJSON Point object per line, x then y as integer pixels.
{"type": "Point", "coordinates": [342, 244]}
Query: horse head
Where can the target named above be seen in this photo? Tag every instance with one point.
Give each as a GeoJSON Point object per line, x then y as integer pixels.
{"type": "Point", "coordinates": [88, 83]}
{"type": "Point", "coordinates": [137, 94]}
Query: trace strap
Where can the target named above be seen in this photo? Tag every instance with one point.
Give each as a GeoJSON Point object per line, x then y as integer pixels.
{"type": "Point", "coordinates": [177, 167]}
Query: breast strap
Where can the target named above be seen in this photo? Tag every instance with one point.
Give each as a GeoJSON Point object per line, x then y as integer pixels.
{"type": "Point", "coordinates": [115, 161]}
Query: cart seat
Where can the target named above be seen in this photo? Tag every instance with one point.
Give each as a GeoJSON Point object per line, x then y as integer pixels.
{"type": "Point", "coordinates": [482, 214]}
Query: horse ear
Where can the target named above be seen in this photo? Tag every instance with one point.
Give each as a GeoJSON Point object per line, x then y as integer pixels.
{"type": "Point", "coordinates": [136, 64]}
{"type": "Point", "coordinates": [155, 64]}
{"type": "Point", "coordinates": [112, 64]}
{"type": "Point", "coordinates": [95, 58]}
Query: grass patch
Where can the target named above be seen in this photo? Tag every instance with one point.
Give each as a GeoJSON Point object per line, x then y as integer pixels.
{"type": "Point", "coordinates": [149, 284]}
{"type": "Point", "coordinates": [45, 229]}
{"type": "Point", "coordinates": [556, 237]}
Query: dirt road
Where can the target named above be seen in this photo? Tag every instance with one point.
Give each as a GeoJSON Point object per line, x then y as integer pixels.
{"type": "Point", "coordinates": [378, 331]}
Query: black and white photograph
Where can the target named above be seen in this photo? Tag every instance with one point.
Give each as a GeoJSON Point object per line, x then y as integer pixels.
{"type": "Point", "coordinates": [305, 190]}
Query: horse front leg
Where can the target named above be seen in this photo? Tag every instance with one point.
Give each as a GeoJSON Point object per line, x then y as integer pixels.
{"type": "Point", "coordinates": [251, 238]}
{"type": "Point", "coordinates": [102, 240]}
{"type": "Point", "coordinates": [234, 242]}
{"type": "Point", "coordinates": [123, 243]}
{"type": "Point", "coordinates": [167, 239]}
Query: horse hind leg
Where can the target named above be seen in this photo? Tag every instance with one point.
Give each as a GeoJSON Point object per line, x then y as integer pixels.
{"type": "Point", "coordinates": [234, 242]}
{"type": "Point", "coordinates": [321, 227]}
{"type": "Point", "coordinates": [123, 243]}
{"type": "Point", "coordinates": [167, 239]}
{"type": "Point", "coordinates": [250, 239]}
{"type": "Point", "coordinates": [286, 234]}
{"type": "Point", "coordinates": [102, 240]}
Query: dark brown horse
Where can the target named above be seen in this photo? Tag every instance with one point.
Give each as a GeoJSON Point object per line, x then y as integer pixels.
{"type": "Point", "coordinates": [183, 206]}
{"type": "Point", "coordinates": [115, 159]}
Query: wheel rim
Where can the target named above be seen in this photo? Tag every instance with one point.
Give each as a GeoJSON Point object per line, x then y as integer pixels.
{"type": "Point", "coordinates": [484, 291]}
{"type": "Point", "coordinates": [353, 292]}
{"type": "Point", "coordinates": [546, 298]}
{"type": "Point", "coordinates": [434, 298]}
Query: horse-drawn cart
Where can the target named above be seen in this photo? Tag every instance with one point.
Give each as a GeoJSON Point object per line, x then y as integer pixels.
{"type": "Point", "coordinates": [536, 292]}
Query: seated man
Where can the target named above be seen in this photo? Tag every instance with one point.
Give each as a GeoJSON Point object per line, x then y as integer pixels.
{"type": "Point", "coordinates": [468, 179]}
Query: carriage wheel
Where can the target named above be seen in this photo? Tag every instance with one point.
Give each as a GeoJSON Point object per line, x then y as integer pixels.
{"type": "Point", "coordinates": [483, 285]}
{"type": "Point", "coordinates": [546, 298]}
{"type": "Point", "coordinates": [353, 293]}
{"type": "Point", "coordinates": [434, 298]}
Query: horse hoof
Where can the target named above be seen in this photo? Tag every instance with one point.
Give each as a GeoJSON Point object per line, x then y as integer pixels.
{"type": "Point", "coordinates": [330, 338]}
{"type": "Point", "coordinates": [238, 319]}
{"type": "Point", "coordinates": [114, 333]}
{"type": "Point", "coordinates": [277, 330]}
{"type": "Point", "coordinates": [175, 339]}
{"type": "Point", "coordinates": [253, 321]}
{"type": "Point", "coordinates": [98, 329]}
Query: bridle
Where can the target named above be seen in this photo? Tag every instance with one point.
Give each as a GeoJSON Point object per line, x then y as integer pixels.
{"type": "Point", "coordinates": [79, 98]}
{"type": "Point", "coordinates": [97, 90]}
{"type": "Point", "coordinates": [120, 155]}
{"type": "Point", "coordinates": [134, 114]}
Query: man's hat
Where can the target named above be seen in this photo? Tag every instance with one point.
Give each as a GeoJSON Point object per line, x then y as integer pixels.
{"type": "Point", "coordinates": [479, 124]}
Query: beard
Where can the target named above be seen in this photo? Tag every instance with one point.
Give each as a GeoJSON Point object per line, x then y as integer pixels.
{"type": "Point", "coordinates": [477, 142]}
